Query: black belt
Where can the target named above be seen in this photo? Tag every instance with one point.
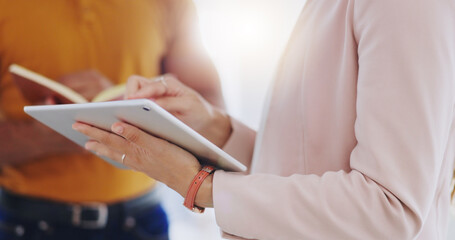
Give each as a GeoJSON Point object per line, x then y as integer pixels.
{"type": "Point", "coordinates": [91, 215]}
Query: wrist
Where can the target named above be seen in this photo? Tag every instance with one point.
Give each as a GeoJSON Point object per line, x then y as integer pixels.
{"type": "Point", "coordinates": [204, 197]}
{"type": "Point", "coordinates": [219, 129]}
{"type": "Point", "coordinates": [181, 182]}
{"type": "Point", "coordinates": [199, 194]}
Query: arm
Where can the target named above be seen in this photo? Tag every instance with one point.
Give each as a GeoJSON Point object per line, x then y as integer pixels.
{"type": "Point", "coordinates": [28, 140]}
{"type": "Point", "coordinates": [240, 144]}
{"type": "Point", "coordinates": [405, 104]}
{"type": "Point", "coordinates": [192, 109]}
{"type": "Point", "coordinates": [24, 141]}
{"type": "Point", "coordinates": [187, 58]}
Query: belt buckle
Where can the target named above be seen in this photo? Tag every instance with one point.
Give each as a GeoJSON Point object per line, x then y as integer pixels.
{"type": "Point", "coordinates": [100, 222]}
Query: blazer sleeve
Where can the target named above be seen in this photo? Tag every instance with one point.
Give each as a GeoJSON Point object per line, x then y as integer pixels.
{"type": "Point", "coordinates": [240, 144]}
{"type": "Point", "coordinates": [405, 102]}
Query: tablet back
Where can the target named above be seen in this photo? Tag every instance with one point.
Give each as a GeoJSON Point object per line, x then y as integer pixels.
{"type": "Point", "coordinates": [142, 113]}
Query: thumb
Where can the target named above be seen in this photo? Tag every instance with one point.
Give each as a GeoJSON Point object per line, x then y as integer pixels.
{"type": "Point", "coordinates": [132, 134]}
{"type": "Point", "coordinates": [50, 100]}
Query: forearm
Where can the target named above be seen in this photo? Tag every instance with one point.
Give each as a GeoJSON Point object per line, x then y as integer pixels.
{"type": "Point", "coordinates": [199, 73]}
{"type": "Point", "coordinates": [337, 205]}
{"type": "Point", "coordinates": [24, 141]}
{"type": "Point", "coordinates": [240, 143]}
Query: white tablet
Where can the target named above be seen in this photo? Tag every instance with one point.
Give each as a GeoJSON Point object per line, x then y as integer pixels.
{"type": "Point", "coordinates": [143, 113]}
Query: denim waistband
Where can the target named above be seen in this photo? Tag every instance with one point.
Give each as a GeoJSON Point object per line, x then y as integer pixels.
{"type": "Point", "coordinates": [89, 215]}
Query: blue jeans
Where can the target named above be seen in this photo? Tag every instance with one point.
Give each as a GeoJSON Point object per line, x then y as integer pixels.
{"type": "Point", "coordinates": [148, 224]}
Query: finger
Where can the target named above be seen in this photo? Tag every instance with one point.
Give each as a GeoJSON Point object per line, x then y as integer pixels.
{"type": "Point", "coordinates": [71, 83]}
{"type": "Point", "coordinates": [133, 84]}
{"type": "Point", "coordinates": [107, 138]}
{"type": "Point", "coordinates": [150, 90]}
{"type": "Point", "coordinates": [135, 135]}
{"type": "Point", "coordinates": [50, 100]}
{"type": "Point", "coordinates": [103, 150]}
{"type": "Point", "coordinates": [166, 85]}
{"type": "Point", "coordinates": [173, 86]}
{"type": "Point", "coordinates": [75, 82]}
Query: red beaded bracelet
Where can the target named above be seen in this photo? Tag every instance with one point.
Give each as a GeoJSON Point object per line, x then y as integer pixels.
{"type": "Point", "coordinates": [194, 187]}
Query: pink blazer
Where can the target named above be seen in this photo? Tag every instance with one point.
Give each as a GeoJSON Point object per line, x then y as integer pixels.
{"type": "Point", "coordinates": [358, 139]}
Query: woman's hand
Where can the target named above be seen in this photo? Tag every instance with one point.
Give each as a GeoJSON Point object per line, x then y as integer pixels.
{"type": "Point", "coordinates": [155, 157]}
{"type": "Point", "coordinates": [184, 103]}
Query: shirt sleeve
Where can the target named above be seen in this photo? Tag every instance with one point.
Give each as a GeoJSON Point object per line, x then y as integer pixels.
{"type": "Point", "coordinates": [240, 144]}
{"type": "Point", "coordinates": [405, 102]}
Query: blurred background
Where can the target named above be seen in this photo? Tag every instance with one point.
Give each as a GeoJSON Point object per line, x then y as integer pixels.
{"type": "Point", "coordinates": [245, 39]}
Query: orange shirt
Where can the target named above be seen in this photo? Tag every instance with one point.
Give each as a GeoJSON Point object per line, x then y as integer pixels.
{"type": "Point", "coordinates": [118, 38]}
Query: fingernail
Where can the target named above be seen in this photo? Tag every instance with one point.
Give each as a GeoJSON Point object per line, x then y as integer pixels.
{"type": "Point", "coordinates": [117, 129]}
{"type": "Point", "coordinates": [75, 126]}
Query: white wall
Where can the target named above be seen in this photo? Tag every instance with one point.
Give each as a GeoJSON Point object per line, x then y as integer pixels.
{"type": "Point", "coordinates": [245, 39]}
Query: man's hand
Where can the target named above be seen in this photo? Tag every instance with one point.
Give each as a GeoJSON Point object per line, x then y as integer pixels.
{"type": "Point", "coordinates": [23, 141]}
{"type": "Point", "coordinates": [88, 83]}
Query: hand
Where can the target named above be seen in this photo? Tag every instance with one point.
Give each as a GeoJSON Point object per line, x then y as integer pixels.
{"type": "Point", "coordinates": [185, 104]}
{"type": "Point", "coordinates": [157, 158]}
{"type": "Point", "coordinates": [88, 83]}
{"type": "Point", "coordinates": [52, 142]}
{"type": "Point", "coordinates": [38, 140]}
